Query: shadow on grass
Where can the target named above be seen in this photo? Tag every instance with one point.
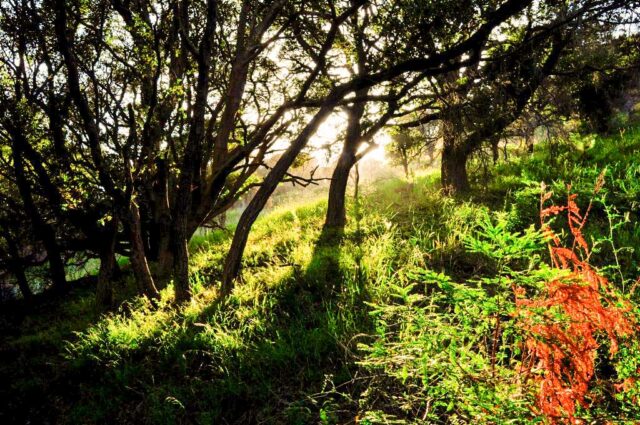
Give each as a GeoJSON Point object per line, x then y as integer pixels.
{"type": "Point", "coordinates": [271, 359]}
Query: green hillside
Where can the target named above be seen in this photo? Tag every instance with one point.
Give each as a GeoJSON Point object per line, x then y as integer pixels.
{"type": "Point", "coordinates": [412, 318]}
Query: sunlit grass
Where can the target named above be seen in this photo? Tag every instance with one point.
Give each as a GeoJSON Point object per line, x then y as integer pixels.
{"type": "Point", "coordinates": [293, 325]}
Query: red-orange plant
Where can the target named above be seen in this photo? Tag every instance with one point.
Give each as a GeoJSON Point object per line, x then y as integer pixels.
{"type": "Point", "coordinates": [563, 323]}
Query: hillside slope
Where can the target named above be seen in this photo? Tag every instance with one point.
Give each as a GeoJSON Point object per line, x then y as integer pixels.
{"type": "Point", "coordinates": [410, 318]}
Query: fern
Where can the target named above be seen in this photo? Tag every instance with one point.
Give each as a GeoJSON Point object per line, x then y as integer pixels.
{"type": "Point", "coordinates": [564, 323]}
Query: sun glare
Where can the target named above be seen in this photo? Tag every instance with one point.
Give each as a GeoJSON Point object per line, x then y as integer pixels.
{"type": "Point", "coordinates": [326, 143]}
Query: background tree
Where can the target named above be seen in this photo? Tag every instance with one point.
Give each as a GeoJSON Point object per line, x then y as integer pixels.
{"type": "Point", "coordinates": [408, 146]}
{"type": "Point", "coordinates": [480, 103]}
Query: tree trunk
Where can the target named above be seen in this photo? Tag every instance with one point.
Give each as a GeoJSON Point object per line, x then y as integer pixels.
{"type": "Point", "coordinates": [529, 142]}
{"type": "Point", "coordinates": [162, 218]}
{"type": "Point", "coordinates": [271, 181]}
{"type": "Point", "coordinates": [21, 278]}
{"type": "Point", "coordinates": [336, 217]}
{"type": "Point", "coordinates": [45, 231]}
{"type": "Point", "coordinates": [405, 167]}
{"type": "Point", "coordinates": [356, 191]}
{"type": "Point", "coordinates": [104, 288]}
{"type": "Point", "coordinates": [16, 266]}
{"type": "Point", "coordinates": [222, 220]}
{"type": "Point", "coordinates": [192, 162]}
{"type": "Point", "coordinates": [454, 171]}
{"type": "Point", "coordinates": [164, 264]}
{"type": "Point", "coordinates": [138, 258]}
{"type": "Point", "coordinates": [181, 264]}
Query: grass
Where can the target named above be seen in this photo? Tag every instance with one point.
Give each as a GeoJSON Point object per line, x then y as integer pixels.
{"type": "Point", "coordinates": [391, 325]}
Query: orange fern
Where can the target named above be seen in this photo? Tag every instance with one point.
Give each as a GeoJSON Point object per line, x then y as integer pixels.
{"type": "Point", "coordinates": [562, 324]}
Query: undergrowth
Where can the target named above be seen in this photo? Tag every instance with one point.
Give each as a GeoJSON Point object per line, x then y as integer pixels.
{"type": "Point", "coordinates": [412, 318]}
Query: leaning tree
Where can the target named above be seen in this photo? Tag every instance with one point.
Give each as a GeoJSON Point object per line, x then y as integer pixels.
{"type": "Point", "coordinates": [423, 61]}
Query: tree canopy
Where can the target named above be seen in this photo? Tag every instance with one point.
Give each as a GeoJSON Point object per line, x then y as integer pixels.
{"type": "Point", "coordinates": [127, 125]}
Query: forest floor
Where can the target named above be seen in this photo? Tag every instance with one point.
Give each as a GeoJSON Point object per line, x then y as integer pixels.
{"type": "Point", "coordinates": [395, 323]}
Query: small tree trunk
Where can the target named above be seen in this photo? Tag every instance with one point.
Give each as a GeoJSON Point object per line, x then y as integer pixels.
{"type": "Point", "coordinates": [56, 265]}
{"type": "Point", "coordinates": [139, 262]}
{"type": "Point", "coordinates": [104, 288]}
{"type": "Point", "coordinates": [21, 278]}
{"type": "Point", "coordinates": [164, 256]}
{"type": "Point", "coordinates": [222, 219]}
{"type": "Point", "coordinates": [16, 266]}
{"type": "Point", "coordinates": [356, 184]}
{"type": "Point", "coordinates": [271, 181]}
{"type": "Point", "coordinates": [164, 264]}
{"type": "Point", "coordinates": [336, 217]}
{"type": "Point", "coordinates": [162, 226]}
{"type": "Point", "coordinates": [529, 143]}
{"type": "Point", "coordinates": [454, 171]}
{"type": "Point", "coordinates": [181, 264]}
{"type": "Point", "coordinates": [405, 167]}
{"type": "Point", "coordinates": [495, 150]}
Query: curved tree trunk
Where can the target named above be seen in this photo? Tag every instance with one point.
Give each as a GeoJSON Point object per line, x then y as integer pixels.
{"type": "Point", "coordinates": [18, 271]}
{"type": "Point", "coordinates": [336, 217]}
{"type": "Point", "coordinates": [139, 262]}
{"type": "Point", "coordinates": [16, 266]}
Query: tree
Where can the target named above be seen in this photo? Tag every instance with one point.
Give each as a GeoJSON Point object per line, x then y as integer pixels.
{"type": "Point", "coordinates": [407, 147]}
{"type": "Point", "coordinates": [433, 61]}
{"type": "Point", "coordinates": [127, 125]}
{"type": "Point", "coordinates": [478, 104]}
{"type": "Point", "coordinates": [366, 113]}
{"type": "Point", "coordinates": [172, 117]}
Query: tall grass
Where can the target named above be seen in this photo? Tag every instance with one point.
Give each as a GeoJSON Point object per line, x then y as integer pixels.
{"type": "Point", "coordinates": [395, 324]}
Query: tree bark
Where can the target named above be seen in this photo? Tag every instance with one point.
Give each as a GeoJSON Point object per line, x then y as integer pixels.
{"type": "Point", "coordinates": [271, 181]}
{"type": "Point", "coordinates": [139, 263]}
{"type": "Point", "coordinates": [454, 171]}
{"type": "Point", "coordinates": [104, 288]}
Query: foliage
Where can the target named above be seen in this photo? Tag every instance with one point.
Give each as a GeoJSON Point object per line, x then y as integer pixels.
{"type": "Point", "coordinates": [411, 319]}
{"type": "Point", "coordinates": [407, 148]}
{"type": "Point", "coordinates": [564, 322]}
